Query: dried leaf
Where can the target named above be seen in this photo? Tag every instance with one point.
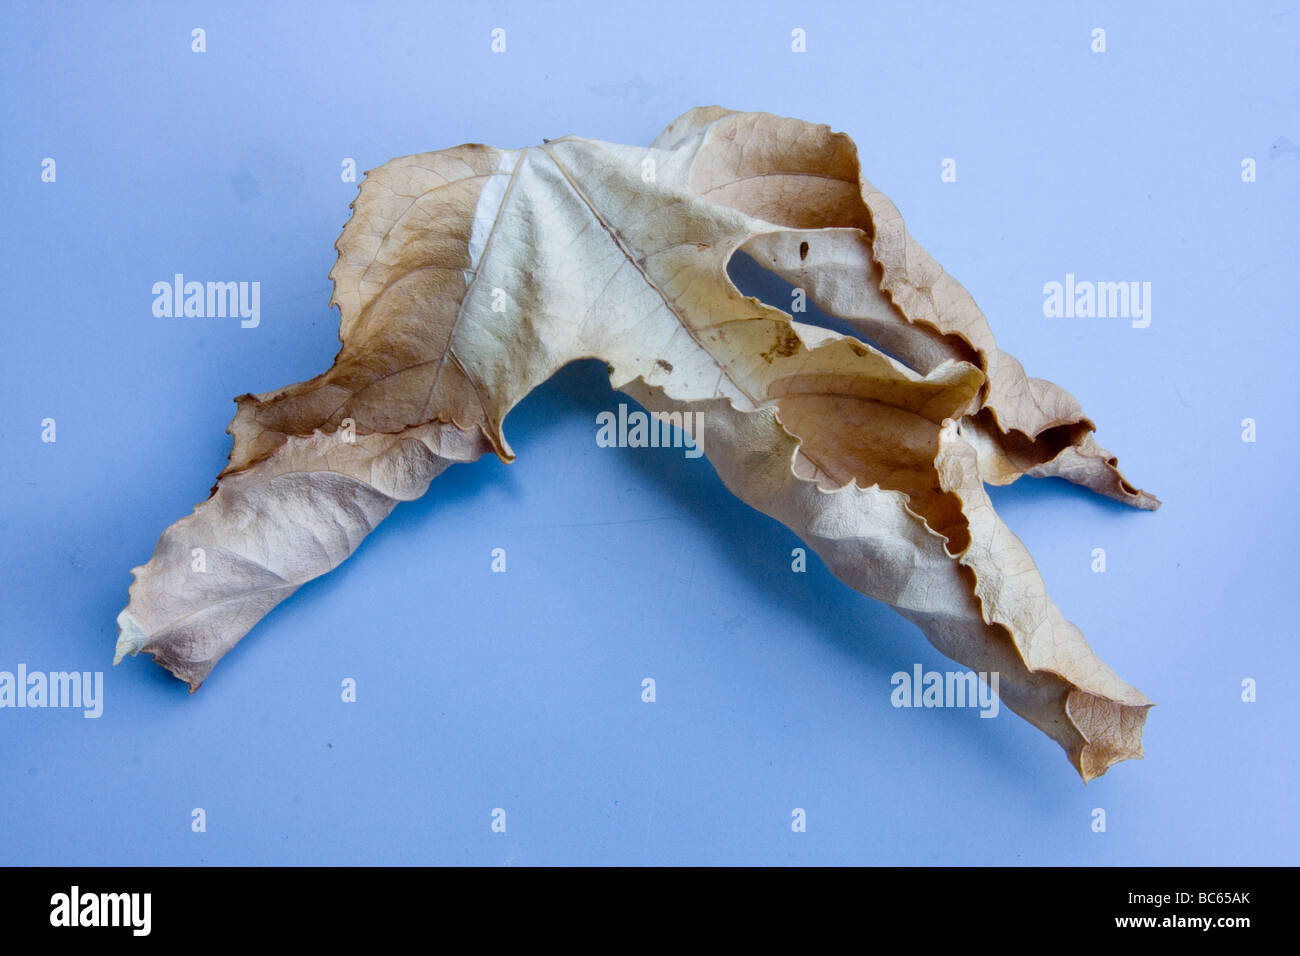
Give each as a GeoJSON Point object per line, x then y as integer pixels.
{"type": "Point", "coordinates": [467, 277]}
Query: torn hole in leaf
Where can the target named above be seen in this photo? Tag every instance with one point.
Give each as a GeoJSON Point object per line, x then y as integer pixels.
{"type": "Point", "coordinates": [752, 279]}
{"type": "Point", "coordinates": [837, 271]}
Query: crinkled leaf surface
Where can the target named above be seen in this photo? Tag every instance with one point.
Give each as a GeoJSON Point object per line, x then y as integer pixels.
{"type": "Point", "coordinates": [467, 277]}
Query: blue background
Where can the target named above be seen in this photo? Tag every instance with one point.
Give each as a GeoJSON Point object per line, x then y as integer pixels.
{"type": "Point", "coordinates": [522, 690]}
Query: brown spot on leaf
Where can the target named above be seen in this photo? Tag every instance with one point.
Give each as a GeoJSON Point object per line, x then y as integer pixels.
{"type": "Point", "coordinates": [666, 366]}
{"type": "Point", "coordinates": [803, 251]}
{"type": "Point", "coordinates": [787, 343]}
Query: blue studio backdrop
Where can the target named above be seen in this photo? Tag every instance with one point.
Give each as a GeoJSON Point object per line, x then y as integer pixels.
{"type": "Point", "coordinates": [1021, 145]}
